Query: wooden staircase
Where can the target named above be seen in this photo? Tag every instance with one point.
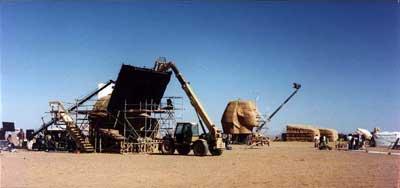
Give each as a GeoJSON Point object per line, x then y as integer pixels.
{"type": "Point", "coordinates": [82, 144]}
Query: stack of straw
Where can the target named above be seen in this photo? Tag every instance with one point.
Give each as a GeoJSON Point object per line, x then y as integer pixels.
{"type": "Point", "coordinates": [331, 134]}
{"type": "Point", "coordinates": [301, 133]}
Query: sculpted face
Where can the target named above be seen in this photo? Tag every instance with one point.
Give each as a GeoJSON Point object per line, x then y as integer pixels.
{"type": "Point", "coordinates": [240, 117]}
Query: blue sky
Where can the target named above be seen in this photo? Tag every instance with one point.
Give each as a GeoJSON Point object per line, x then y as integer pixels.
{"type": "Point", "coordinates": [346, 56]}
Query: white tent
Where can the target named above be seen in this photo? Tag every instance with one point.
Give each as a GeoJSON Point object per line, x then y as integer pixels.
{"type": "Point", "coordinates": [385, 139]}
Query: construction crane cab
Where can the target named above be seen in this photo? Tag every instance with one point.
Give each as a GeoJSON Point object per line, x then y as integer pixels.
{"type": "Point", "coordinates": [187, 137]}
{"type": "Point", "coordinates": [185, 134]}
{"type": "Point", "coordinates": [184, 140]}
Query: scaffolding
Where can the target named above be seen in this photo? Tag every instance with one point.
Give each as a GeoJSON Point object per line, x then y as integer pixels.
{"type": "Point", "coordinates": [66, 130]}
{"type": "Point", "coordinates": [139, 128]}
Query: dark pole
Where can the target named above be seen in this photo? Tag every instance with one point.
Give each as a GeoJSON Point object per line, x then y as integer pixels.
{"type": "Point", "coordinates": [89, 96]}
{"type": "Point", "coordinates": [296, 86]}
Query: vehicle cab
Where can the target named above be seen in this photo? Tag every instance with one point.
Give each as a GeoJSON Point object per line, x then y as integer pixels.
{"type": "Point", "coordinates": [186, 132]}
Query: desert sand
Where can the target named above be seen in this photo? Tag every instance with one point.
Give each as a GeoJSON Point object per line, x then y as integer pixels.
{"type": "Point", "coordinates": [290, 164]}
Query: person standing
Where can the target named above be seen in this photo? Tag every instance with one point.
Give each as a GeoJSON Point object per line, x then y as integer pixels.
{"type": "Point", "coordinates": [316, 141]}
{"type": "Point", "coordinates": [9, 139]}
{"type": "Point", "coordinates": [21, 137]}
{"type": "Point", "coordinates": [228, 142]}
{"type": "Point", "coordinates": [350, 141]}
{"type": "Point", "coordinates": [356, 142]}
{"type": "Point", "coordinates": [321, 142]}
{"type": "Point", "coordinates": [11, 145]}
{"type": "Point", "coordinates": [362, 141]}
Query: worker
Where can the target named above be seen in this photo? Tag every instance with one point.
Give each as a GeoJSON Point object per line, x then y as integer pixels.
{"type": "Point", "coordinates": [40, 143]}
{"type": "Point", "coordinates": [21, 137]}
{"type": "Point", "coordinates": [9, 138]}
{"type": "Point", "coordinates": [372, 143]}
{"type": "Point", "coordinates": [228, 139]}
{"type": "Point", "coordinates": [267, 141]}
{"type": "Point", "coordinates": [11, 146]}
{"type": "Point", "coordinates": [362, 141]}
{"type": "Point", "coordinates": [170, 105]}
{"type": "Point", "coordinates": [350, 141]}
{"type": "Point", "coordinates": [316, 141]}
{"type": "Point", "coordinates": [321, 140]}
{"type": "Point", "coordinates": [356, 142]}
{"type": "Point", "coordinates": [323, 143]}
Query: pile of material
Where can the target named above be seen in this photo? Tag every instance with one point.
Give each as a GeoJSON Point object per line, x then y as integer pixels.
{"type": "Point", "coordinates": [331, 134]}
{"type": "Point", "coordinates": [301, 133]}
{"type": "Point", "coordinates": [365, 133]}
{"type": "Point", "coordinates": [240, 117]}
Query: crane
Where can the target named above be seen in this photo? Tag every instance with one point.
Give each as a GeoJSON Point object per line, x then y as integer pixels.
{"type": "Point", "coordinates": [186, 135]}
{"type": "Point", "coordinates": [257, 137]}
{"type": "Point", "coordinates": [296, 86]}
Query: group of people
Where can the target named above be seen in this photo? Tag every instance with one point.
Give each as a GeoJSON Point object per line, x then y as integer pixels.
{"type": "Point", "coordinates": [355, 141]}
{"type": "Point", "coordinates": [321, 142]}
{"type": "Point", "coordinates": [54, 141]}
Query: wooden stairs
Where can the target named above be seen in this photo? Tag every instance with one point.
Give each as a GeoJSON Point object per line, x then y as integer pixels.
{"type": "Point", "coordinates": [82, 144]}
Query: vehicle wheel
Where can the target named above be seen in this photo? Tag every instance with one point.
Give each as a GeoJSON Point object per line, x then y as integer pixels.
{"type": "Point", "coordinates": [168, 146]}
{"type": "Point", "coordinates": [200, 147]}
{"type": "Point", "coordinates": [216, 152]}
{"type": "Point", "coordinates": [183, 149]}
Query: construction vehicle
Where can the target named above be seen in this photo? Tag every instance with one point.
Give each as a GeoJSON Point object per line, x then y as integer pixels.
{"type": "Point", "coordinates": [257, 138]}
{"type": "Point", "coordinates": [186, 136]}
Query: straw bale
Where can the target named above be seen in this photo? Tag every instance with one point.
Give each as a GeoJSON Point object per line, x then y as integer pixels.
{"type": "Point", "coordinates": [296, 132]}
{"type": "Point", "coordinates": [331, 134]}
{"type": "Point", "coordinates": [101, 104]}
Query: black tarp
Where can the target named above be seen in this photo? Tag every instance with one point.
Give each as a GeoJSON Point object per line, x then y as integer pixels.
{"type": "Point", "coordinates": [138, 85]}
{"type": "Point", "coordinates": [8, 126]}
{"type": "Point", "coordinates": [29, 134]}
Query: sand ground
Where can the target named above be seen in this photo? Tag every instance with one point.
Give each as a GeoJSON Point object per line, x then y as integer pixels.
{"type": "Point", "coordinates": [281, 165]}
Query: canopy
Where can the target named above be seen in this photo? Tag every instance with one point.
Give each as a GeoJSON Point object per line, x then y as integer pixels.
{"type": "Point", "coordinates": [138, 86]}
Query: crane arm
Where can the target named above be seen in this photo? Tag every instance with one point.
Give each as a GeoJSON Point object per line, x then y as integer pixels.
{"type": "Point", "coordinates": [296, 86]}
{"type": "Point", "coordinates": [162, 67]}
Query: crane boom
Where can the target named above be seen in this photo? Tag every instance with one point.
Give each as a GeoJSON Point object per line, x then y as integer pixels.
{"type": "Point", "coordinates": [296, 86]}
{"type": "Point", "coordinates": [164, 66]}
